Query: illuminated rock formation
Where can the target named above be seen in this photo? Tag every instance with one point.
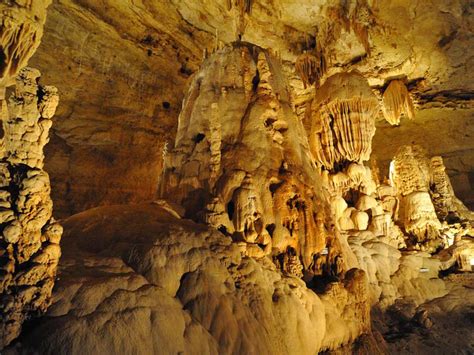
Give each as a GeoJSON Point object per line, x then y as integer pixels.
{"type": "Point", "coordinates": [241, 159]}
{"type": "Point", "coordinates": [410, 173]}
{"type": "Point", "coordinates": [272, 234]}
{"type": "Point", "coordinates": [397, 101]}
{"type": "Point", "coordinates": [30, 243]}
{"type": "Point", "coordinates": [178, 286]}
{"type": "Point", "coordinates": [21, 31]}
{"type": "Point", "coordinates": [342, 121]}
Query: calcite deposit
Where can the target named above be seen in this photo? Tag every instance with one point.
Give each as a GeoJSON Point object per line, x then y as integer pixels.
{"type": "Point", "coordinates": [241, 160]}
{"type": "Point", "coordinates": [236, 177]}
{"type": "Point", "coordinates": [342, 117]}
{"type": "Point", "coordinates": [21, 31]}
{"type": "Point", "coordinates": [397, 101]}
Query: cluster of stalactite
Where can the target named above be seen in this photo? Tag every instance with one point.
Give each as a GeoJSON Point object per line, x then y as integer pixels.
{"type": "Point", "coordinates": [342, 117]}
{"type": "Point", "coordinates": [351, 15]}
{"type": "Point", "coordinates": [311, 68]}
{"type": "Point", "coordinates": [244, 7]}
{"type": "Point", "coordinates": [21, 28]}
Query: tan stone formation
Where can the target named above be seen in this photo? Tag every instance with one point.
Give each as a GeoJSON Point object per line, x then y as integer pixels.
{"type": "Point", "coordinates": [298, 245]}
{"type": "Point", "coordinates": [397, 101]}
{"type": "Point", "coordinates": [241, 160]}
{"type": "Point", "coordinates": [342, 116]}
{"type": "Point", "coordinates": [294, 256]}
{"type": "Point", "coordinates": [410, 173]}
{"type": "Point", "coordinates": [30, 236]}
{"type": "Point", "coordinates": [310, 68]}
{"type": "Point", "coordinates": [29, 250]}
{"type": "Point", "coordinates": [117, 111]}
{"type": "Point", "coordinates": [178, 286]}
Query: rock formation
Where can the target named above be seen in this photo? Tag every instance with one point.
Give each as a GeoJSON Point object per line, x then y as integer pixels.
{"type": "Point", "coordinates": [274, 229]}
{"type": "Point", "coordinates": [21, 31]}
{"type": "Point", "coordinates": [397, 101]}
{"type": "Point", "coordinates": [241, 159]}
{"type": "Point", "coordinates": [29, 244]}
{"type": "Point", "coordinates": [30, 236]}
{"type": "Point", "coordinates": [342, 121]}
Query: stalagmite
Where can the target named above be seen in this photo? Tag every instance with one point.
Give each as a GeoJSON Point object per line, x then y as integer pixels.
{"type": "Point", "coordinates": [258, 201]}
{"type": "Point", "coordinates": [442, 194]}
{"type": "Point", "coordinates": [411, 175]}
{"type": "Point", "coordinates": [29, 245]}
{"type": "Point", "coordinates": [397, 101]}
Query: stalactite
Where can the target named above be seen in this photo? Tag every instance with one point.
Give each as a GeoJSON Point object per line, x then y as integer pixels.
{"type": "Point", "coordinates": [343, 121]}
{"type": "Point", "coordinates": [360, 22]}
{"type": "Point", "coordinates": [397, 100]}
{"type": "Point", "coordinates": [244, 7]}
{"type": "Point", "coordinates": [355, 16]}
{"type": "Point", "coordinates": [310, 68]}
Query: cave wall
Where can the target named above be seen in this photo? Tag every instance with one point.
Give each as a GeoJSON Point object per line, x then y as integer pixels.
{"type": "Point", "coordinates": [121, 73]}
{"type": "Point", "coordinates": [122, 69]}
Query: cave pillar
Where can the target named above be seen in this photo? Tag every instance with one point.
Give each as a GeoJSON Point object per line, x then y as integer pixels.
{"type": "Point", "coordinates": [29, 236]}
